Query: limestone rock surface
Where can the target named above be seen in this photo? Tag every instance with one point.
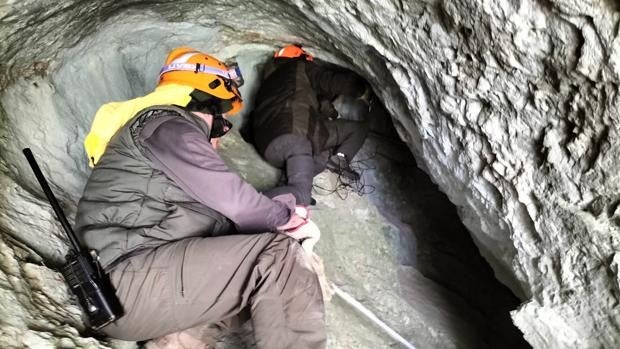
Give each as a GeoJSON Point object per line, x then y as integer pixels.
{"type": "Point", "coordinates": [511, 107]}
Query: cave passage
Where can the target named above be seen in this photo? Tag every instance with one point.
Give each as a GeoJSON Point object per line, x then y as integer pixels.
{"type": "Point", "coordinates": [401, 249]}
{"type": "Point", "coordinates": [432, 238]}
{"type": "Point", "coordinates": [510, 107]}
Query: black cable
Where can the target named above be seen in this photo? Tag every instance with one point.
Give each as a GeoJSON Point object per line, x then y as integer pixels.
{"type": "Point", "coordinates": [344, 185]}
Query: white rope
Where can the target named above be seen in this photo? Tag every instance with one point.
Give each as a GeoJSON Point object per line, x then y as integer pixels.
{"type": "Point", "coordinates": [369, 314]}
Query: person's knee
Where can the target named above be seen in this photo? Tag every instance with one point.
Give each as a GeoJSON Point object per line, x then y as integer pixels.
{"type": "Point", "coordinates": [293, 144]}
{"type": "Point", "coordinates": [285, 250]}
{"type": "Point", "coordinates": [285, 244]}
{"type": "Point", "coordinates": [285, 147]}
{"type": "Point", "coordinates": [291, 271]}
{"type": "Point", "coordinates": [299, 146]}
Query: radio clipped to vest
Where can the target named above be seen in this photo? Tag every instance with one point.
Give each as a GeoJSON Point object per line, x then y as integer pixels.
{"type": "Point", "coordinates": [81, 269]}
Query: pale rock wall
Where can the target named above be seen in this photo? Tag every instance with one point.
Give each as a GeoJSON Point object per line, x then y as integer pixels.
{"type": "Point", "coordinates": [510, 106]}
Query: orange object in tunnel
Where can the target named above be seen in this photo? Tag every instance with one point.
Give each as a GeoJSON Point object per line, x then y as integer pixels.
{"type": "Point", "coordinates": [293, 51]}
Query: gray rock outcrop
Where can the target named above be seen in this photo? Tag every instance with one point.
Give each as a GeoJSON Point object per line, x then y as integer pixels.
{"type": "Point", "coordinates": [511, 107]}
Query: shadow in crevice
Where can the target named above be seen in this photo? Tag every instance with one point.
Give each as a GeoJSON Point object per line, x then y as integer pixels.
{"type": "Point", "coordinates": [433, 240]}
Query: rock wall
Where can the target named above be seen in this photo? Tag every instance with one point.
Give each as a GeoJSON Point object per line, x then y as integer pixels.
{"type": "Point", "coordinates": [510, 106]}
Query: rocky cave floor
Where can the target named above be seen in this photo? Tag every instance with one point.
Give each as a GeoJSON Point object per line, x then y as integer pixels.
{"type": "Point", "coordinates": [511, 108]}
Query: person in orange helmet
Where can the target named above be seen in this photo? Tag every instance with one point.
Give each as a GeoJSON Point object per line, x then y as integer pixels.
{"type": "Point", "coordinates": [295, 127]}
{"type": "Point", "coordinates": [184, 240]}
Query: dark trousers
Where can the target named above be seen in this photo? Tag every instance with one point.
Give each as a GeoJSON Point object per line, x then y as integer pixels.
{"type": "Point", "coordinates": [346, 137]}
{"type": "Point", "coordinates": [293, 153]}
{"type": "Point", "coordinates": [197, 281]}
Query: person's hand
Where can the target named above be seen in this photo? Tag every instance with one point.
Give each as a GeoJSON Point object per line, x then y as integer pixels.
{"type": "Point", "coordinates": [309, 234]}
{"type": "Point", "coordinates": [302, 211]}
{"type": "Point", "coordinates": [215, 142]}
{"type": "Point", "coordinates": [293, 223]}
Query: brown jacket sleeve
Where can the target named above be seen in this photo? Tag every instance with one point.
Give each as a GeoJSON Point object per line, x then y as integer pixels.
{"type": "Point", "coordinates": [182, 152]}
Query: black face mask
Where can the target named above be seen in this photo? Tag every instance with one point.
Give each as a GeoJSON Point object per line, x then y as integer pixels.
{"type": "Point", "coordinates": [205, 103]}
{"type": "Point", "coordinates": [220, 126]}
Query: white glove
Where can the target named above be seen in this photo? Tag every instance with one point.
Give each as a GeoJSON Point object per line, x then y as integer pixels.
{"type": "Point", "coordinates": [302, 211]}
{"type": "Point", "coordinates": [309, 234]}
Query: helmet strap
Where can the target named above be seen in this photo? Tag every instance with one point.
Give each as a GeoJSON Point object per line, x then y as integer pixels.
{"type": "Point", "coordinates": [220, 126]}
{"type": "Point", "coordinates": [206, 103]}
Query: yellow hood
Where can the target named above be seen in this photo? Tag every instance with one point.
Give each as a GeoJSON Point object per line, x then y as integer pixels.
{"type": "Point", "coordinates": [112, 116]}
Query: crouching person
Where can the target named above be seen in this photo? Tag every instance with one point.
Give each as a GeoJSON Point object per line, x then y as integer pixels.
{"type": "Point", "coordinates": [294, 125]}
{"type": "Point", "coordinates": [160, 207]}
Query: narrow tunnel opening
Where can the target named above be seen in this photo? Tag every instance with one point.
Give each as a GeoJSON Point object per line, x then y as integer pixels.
{"type": "Point", "coordinates": [432, 262]}
{"type": "Point", "coordinates": [433, 239]}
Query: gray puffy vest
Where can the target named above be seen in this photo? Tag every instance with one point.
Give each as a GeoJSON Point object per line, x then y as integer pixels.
{"type": "Point", "coordinates": [128, 206]}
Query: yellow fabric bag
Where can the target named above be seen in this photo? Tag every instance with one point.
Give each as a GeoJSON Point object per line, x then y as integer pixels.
{"type": "Point", "coordinates": [112, 116]}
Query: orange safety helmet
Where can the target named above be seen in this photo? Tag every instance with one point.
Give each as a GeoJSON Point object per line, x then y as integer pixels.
{"type": "Point", "coordinates": [186, 66]}
{"type": "Point", "coordinates": [293, 51]}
